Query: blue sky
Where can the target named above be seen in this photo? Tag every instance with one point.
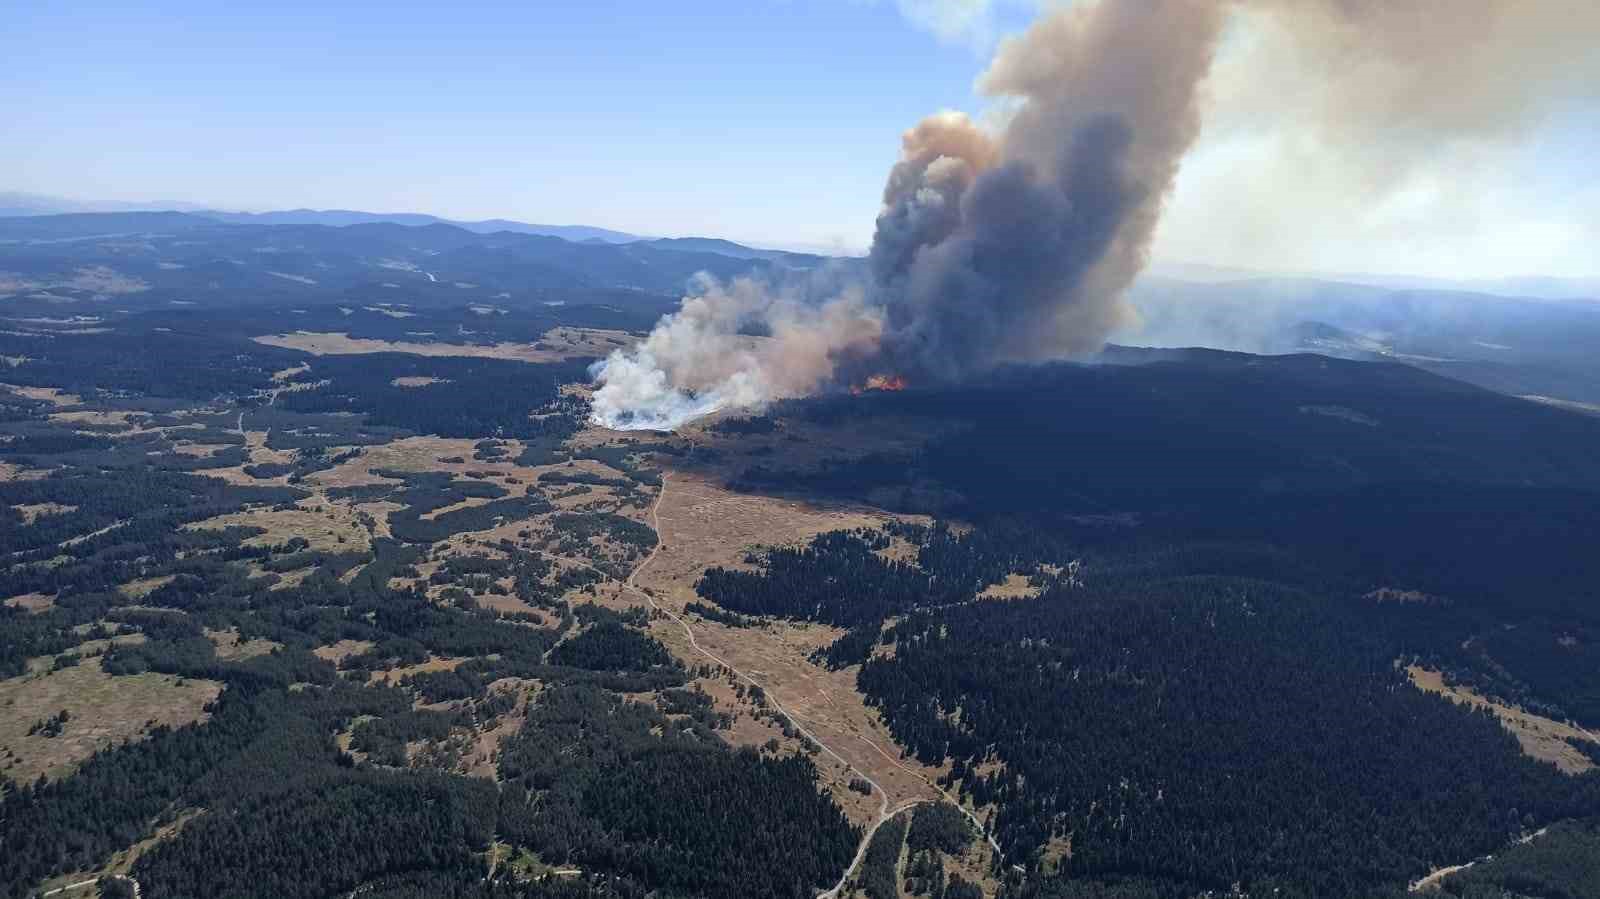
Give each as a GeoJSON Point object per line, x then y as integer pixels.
{"type": "Point", "coordinates": [771, 121]}
{"type": "Point", "coordinates": [763, 120]}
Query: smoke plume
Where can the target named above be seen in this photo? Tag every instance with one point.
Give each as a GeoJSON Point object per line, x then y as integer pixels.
{"type": "Point", "coordinates": [1395, 135]}
{"type": "Point", "coordinates": [990, 248]}
{"type": "Point", "coordinates": [698, 359]}
{"type": "Point", "coordinates": [1017, 244]}
{"type": "Point", "coordinates": [1018, 247]}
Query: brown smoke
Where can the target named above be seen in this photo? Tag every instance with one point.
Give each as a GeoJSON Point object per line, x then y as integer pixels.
{"type": "Point", "coordinates": [1409, 69]}
{"type": "Point", "coordinates": [1017, 244]}
{"type": "Point", "coordinates": [1018, 247]}
{"type": "Point", "coordinates": [1341, 130]}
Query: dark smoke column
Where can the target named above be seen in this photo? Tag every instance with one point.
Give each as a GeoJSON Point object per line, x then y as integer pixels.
{"type": "Point", "coordinates": [991, 248]}
{"type": "Point", "coordinates": [1018, 247]}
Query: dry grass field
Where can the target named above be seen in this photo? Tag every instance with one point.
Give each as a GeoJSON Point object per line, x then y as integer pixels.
{"type": "Point", "coordinates": [555, 345]}
{"type": "Point", "coordinates": [1015, 586]}
{"type": "Point", "coordinates": [33, 602]}
{"type": "Point", "coordinates": [103, 710]}
{"type": "Point", "coordinates": [231, 646]}
{"type": "Point", "coordinates": [1542, 738]}
{"type": "Point", "coordinates": [118, 419]}
{"type": "Point", "coordinates": [424, 454]}
{"type": "Point", "coordinates": [326, 525]}
{"type": "Point", "coordinates": [337, 652]}
{"type": "Point", "coordinates": [139, 589]}
{"type": "Point", "coordinates": [395, 675]}
{"type": "Point", "coordinates": [53, 395]}
{"type": "Point", "coordinates": [32, 512]}
{"type": "Point", "coordinates": [702, 524]}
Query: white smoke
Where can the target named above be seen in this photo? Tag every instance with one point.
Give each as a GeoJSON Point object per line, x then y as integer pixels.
{"type": "Point", "coordinates": [697, 361]}
{"type": "Point", "coordinates": [1017, 244]}
{"type": "Point", "coordinates": [992, 246]}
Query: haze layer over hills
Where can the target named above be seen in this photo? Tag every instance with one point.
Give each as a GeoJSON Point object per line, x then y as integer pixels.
{"type": "Point", "coordinates": [310, 528]}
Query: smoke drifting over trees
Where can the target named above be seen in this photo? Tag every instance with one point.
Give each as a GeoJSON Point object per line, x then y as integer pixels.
{"type": "Point", "coordinates": [990, 248]}
{"type": "Point", "coordinates": [1016, 244]}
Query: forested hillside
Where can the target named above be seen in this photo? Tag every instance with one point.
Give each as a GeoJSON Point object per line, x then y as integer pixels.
{"type": "Point", "coordinates": [1228, 564]}
{"type": "Point", "coordinates": [336, 596]}
{"type": "Point", "coordinates": [395, 581]}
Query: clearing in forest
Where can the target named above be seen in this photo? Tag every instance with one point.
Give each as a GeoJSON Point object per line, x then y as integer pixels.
{"type": "Point", "coordinates": [702, 524]}
{"type": "Point", "coordinates": [102, 711]}
{"type": "Point", "coordinates": [1543, 738]}
{"type": "Point", "coordinates": [557, 345]}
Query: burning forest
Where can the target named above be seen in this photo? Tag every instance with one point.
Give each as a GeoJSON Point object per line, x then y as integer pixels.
{"type": "Point", "coordinates": [1015, 243]}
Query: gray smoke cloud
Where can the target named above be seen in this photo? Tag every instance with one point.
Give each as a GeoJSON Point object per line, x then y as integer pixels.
{"type": "Point", "coordinates": [991, 247]}
{"type": "Point", "coordinates": [698, 359]}
{"type": "Point", "coordinates": [1396, 136]}
{"type": "Point", "coordinates": [1017, 243]}
{"type": "Point", "coordinates": [1018, 247]}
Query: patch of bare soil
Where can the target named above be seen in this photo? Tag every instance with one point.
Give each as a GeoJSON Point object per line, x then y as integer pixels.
{"type": "Point", "coordinates": [899, 550]}
{"type": "Point", "coordinates": [198, 450]}
{"type": "Point", "coordinates": [327, 526]}
{"type": "Point", "coordinates": [468, 503]}
{"type": "Point", "coordinates": [504, 604]}
{"type": "Point", "coordinates": [1542, 738]}
{"type": "Point", "coordinates": [1015, 586]}
{"type": "Point", "coordinates": [231, 646]}
{"type": "Point", "coordinates": [255, 443]}
{"type": "Point", "coordinates": [289, 374]}
{"type": "Point", "coordinates": [393, 676]}
{"type": "Point", "coordinates": [481, 759]}
{"type": "Point", "coordinates": [114, 419]}
{"type": "Point", "coordinates": [32, 512]}
{"type": "Point", "coordinates": [53, 395]}
{"type": "Point", "coordinates": [338, 652]}
{"type": "Point", "coordinates": [285, 579]}
{"type": "Point", "coordinates": [139, 589]}
{"type": "Point", "coordinates": [33, 602]}
{"type": "Point", "coordinates": [1403, 597]}
{"type": "Point", "coordinates": [379, 515]}
{"type": "Point", "coordinates": [11, 472]}
{"type": "Point", "coordinates": [428, 454]}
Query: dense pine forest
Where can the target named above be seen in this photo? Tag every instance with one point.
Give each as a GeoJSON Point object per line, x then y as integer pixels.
{"type": "Point", "coordinates": [317, 774]}
{"type": "Point", "coordinates": [1195, 682]}
{"type": "Point", "coordinates": [287, 811]}
{"type": "Point", "coordinates": [1174, 725]}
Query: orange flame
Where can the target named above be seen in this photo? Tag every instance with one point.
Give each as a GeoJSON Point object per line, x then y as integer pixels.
{"type": "Point", "coordinates": [881, 382]}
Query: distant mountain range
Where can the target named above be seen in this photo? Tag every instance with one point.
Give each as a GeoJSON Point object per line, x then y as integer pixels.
{"type": "Point", "coordinates": [198, 258]}
{"type": "Point", "coordinates": [1518, 345]}
{"type": "Point", "coordinates": [1530, 287]}
{"type": "Point", "coordinates": [339, 218]}
{"type": "Point", "coordinates": [1523, 346]}
{"type": "Point", "coordinates": [18, 204]}
{"type": "Point", "coordinates": [14, 204]}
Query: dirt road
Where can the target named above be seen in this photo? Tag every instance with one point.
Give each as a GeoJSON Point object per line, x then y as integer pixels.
{"type": "Point", "coordinates": [884, 811]}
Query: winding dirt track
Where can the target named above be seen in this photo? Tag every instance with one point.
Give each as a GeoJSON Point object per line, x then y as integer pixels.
{"type": "Point", "coordinates": [884, 811]}
{"type": "Point", "coordinates": [137, 892]}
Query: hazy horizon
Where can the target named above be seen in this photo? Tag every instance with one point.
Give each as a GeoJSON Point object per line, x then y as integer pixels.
{"type": "Point", "coordinates": [774, 123]}
{"type": "Point", "coordinates": [1527, 284]}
